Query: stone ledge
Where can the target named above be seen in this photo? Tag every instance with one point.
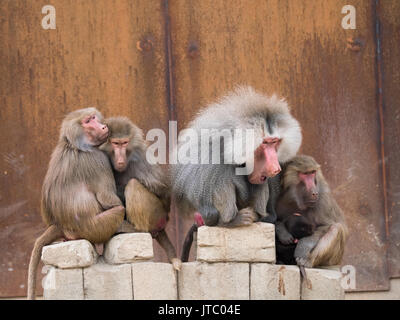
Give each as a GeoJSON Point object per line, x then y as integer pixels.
{"type": "Point", "coordinates": [107, 282]}
{"type": "Point", "coordinates": [214, 281]}
{"type": "Point", "coordinates": [63, 284]}
{"type": "Point", "coordinates": [69, 254]}
{"type": "Point", "coordinates": [274, 282]}
{"type": "Point", "coordinates": [254, 243]}
{"type": "Point", "coordinates": [325, 285]}
{"type": "Point", "coordinates": [154, 281]}
{"type": "Point", "coordinates": [129, 247]}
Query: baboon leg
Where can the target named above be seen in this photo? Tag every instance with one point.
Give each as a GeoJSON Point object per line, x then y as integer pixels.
{"type": "Point", "coordinates": [51, 234]}
{"type": "Point", "coordinates": [102, 227]}
{"type": "Point", "coordinates": [143, 208]}
{"type": "Point", "coordinates": [164, 241]}
{"type": "Point", "coordinates": [330, 247]}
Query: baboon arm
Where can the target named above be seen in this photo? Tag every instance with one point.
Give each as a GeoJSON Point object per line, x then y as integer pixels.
{"type": "Point", "coordinates": [283, 234]}
{"type": "Point", "coordinates": [225, 203]}
{"type": "Point", "coordinates": [261, 195]}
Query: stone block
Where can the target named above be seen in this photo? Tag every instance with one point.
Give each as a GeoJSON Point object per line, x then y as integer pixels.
{"type": "Point", "coordinates": [254, 243]}
{"type": "Point", "coordinates": [129, 247]}
{"type": "Point", "coordinates": [69, 254]}
{"type": "Point", "coordinates": [274, 282]}
{"type": "Point", "coordinates": [154, 281]}
{"type": "Point", "coordinates": [63, 284]}
{"type": "Point", "coordinates": [213, 281]}
{"type": "Point", "coordinates": [325, 285]}
{"type": "Point", "coordinates": [108, 282]}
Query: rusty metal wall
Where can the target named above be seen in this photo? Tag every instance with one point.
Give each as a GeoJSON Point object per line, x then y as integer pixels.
{"type": "Point", "coordinates": [158, 60]}
{"type": "Point", "coordinates": [388, 13]}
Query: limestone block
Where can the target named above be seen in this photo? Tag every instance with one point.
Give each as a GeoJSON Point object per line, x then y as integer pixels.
{"type": "Point", "coordinates": [213, 281]}
{"type": "Point", "coordinates": [69, 254]}
{"type": "Point", "coordinates": [108, 282]}
{"type": "Point", "coordinates": [254, 243]}
{"type": "Point", "coordinates": [154, 281]}
{"type": "Point", "coordinates": [63, 284]}
{"type": "Point", "coordinates": [129, 247]}
{"type": "Point", "coordinates": [274, 282]}
{"type": "Point", "coordinates": [325, 285]}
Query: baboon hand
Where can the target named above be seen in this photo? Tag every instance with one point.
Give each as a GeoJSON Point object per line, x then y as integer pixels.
{"type": "Point", "coordinates": [245, 217]}
{"type": "Point", "coordinates": [285, 237]}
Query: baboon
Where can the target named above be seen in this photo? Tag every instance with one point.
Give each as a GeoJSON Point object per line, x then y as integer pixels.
{"type": "Point", "coordinates": [79, 199]}
{"type": "Point", "coordinates": [299, 227]}
{"type": "Point", "coordinates": [305, 191]}
{"type": "Point", "coordinates": [215, 190]}
{"type": "Point", "coordinates": [142, 186]}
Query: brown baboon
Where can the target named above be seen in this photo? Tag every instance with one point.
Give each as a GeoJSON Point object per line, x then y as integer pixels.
{"type": "Point", "coordinates": [305, 191]}
{"type": "Point", "coordinates": [79, 199]}
{"type": "Point", "coordinates": [141, 185]}
{"type": "Point", "coordinates": [220, 195]}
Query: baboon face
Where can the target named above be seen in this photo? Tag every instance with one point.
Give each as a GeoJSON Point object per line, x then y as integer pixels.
{"type": "Point", "coordinates": [266, 164]}
{"type": "Point", "coordinates": [120, 154]}
{"type": "Point", "coordinates": [308, 183]}
{"type": "Point", "coordinates": [96, 132]}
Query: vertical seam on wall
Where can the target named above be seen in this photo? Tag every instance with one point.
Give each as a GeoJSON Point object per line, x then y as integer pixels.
{"type": "Point", "coordinates": [170, 97]}
{"type": "Point", "coordinates": [379, 82]}
{"type": "Point", "coordinates": [133, 291]}
{"type": "Point", "coordinates": [250, 264]}
{"type": "Point", "coordinates": [168, 60]}
{"type": "Point", "coordinates": [83, 283]}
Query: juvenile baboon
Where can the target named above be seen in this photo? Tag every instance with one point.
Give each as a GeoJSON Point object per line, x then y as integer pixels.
{"type": "Point", "coordinates": [79, 199]}
{"type": "Point", "coordinates": [305, 191]}
{"type": "Point", "coordinates": [215, 190]}
{"type": "Point", "coordinates": [141, 185]}
{"type": "Point", "coordinates": [299, 227]}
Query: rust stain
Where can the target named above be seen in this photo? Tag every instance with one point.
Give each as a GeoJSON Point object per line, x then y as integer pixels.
{"type": "Point", "coordinates": [193, 50]}
{"type": "Point", "coordinates": [354, 44]}
{"type": "Point", "coordinates": [281, 283]}
{"type": "Point", "coordinates": [144, 45]}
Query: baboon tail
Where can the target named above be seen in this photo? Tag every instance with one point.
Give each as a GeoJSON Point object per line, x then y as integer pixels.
{"type": "Point", "coordinates": [187, 244]}
{"type": "Point", "coordinates": [52, 233]}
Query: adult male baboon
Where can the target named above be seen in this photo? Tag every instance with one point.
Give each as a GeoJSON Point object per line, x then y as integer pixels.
{"type": "Point", "coordinates": [141, 185]}
{"type": "Point", "coordinates": [79, 199]}
{"type": "Point", "coordinates": [215, 190]}
{"type": "Point", "coordinates": [305, 191]}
